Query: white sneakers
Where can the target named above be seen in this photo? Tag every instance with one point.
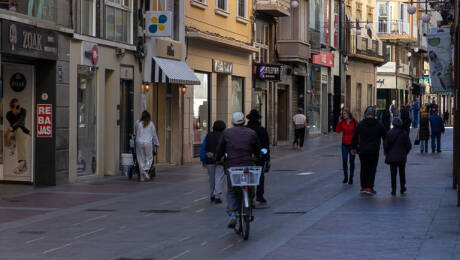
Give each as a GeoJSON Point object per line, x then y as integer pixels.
{"type": "Point", "coordinates": [22, 166]}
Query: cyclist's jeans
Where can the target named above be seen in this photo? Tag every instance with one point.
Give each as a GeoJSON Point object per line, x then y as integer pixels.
{"type": "Point", "coordinates": [233, 197]}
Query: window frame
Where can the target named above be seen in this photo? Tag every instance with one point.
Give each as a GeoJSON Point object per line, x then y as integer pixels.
{"type": "Point", "coordinates": [123, 8]}
{"type": "Point", "coordinates": [226, 5]}
{"type": "Point", "coordinates": [238, 8]}
{"type": "Point", "coordinates": [79, 19]}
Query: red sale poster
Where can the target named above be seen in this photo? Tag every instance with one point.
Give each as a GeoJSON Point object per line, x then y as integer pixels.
{"type": "Point", "coordinates": [44, 120]}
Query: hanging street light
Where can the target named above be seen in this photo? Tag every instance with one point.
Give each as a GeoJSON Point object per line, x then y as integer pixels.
{"type": "Point", "coordinates": [294, 4]}
{"type": "Point", "coordinates": [411, 9]}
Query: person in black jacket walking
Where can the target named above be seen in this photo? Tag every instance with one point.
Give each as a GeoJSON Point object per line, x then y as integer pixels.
{"type": "Point", "coordinates": [396, 146]}
{"type": "Point", "coordinates": [366, 142]}
{"type": "Point", "coordinates": [208, 158]}
{"type": "Point", "coordinates": [254, 124]}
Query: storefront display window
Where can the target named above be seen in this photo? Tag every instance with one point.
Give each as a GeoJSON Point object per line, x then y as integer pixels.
{"type": "Point", "coordinates": [237, 94]}
{"type": "Point", "coordinates": [314, 117]}
{"type": "Point", "coordinates": [42, 9]}
{"type": "Point", "coordinates": [87, 121]}
{"type": "Point", "coordinates": [200, 112]}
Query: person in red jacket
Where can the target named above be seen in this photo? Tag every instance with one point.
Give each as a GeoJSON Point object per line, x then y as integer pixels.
{"type": "Point", "coordinates": [347, 125]}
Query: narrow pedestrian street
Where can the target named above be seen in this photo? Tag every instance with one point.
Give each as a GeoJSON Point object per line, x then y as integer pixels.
{"type": "Point", "coordinates": [310, 214]}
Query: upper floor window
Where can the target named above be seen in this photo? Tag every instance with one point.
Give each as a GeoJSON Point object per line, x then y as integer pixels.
{"type": "Point", "coordinates": [42, 9]}
{"type": "Point", "coordinates": [222, 4]}
{"type": "Point", "coordinates": [118, 20]}
{"type": "Point", "coordinates": [86, 16]}
{"type": "Point", "coordinates": [242, 8]}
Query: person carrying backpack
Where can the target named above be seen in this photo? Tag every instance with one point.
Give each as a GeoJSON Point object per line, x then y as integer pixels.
{"type": "Point", "coordinates": [208, 159]}
{"type": "Point", "coordinates": [347, 125]}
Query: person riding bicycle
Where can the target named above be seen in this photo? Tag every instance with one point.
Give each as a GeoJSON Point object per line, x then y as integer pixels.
{"type": "Point", "coordinates": [240, 145]}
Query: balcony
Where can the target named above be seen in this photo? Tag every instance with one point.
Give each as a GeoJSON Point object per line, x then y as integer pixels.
{"type": "Point", "coordinates": [396, 29]}
{"type": "Point", "coordinates": [366, 49]}
{"type": "Point", "coordinates": [275, 8]}
{"type": "Point", "coordinates": [293, 51]}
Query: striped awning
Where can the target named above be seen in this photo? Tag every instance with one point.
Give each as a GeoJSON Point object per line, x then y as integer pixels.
{"type": "Point", "coordinates": [172, 72]}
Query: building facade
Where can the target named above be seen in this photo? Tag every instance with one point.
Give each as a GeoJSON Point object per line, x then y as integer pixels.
{"type": "Point", "coordinates": [365, 53]}
{"type": "Point", "coordinates": [219, 51]}
{"type": "Point", "coordinates": [399, 31]}
{"type": "Point", "coordinates": [35, 82]}
{"type": "Point", "coordinates": [106, 80]}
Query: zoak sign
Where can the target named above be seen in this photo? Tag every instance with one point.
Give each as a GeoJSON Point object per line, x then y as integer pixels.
{"type": "Point", "coordinates": [45, 120]}
{"type": "Point", "coordinates": [27, 40]}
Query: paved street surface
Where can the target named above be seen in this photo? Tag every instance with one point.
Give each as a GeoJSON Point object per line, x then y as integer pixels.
{"type": "Point", "coordinates": [310, 215]}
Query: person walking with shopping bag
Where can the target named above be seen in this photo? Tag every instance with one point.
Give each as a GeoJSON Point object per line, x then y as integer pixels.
{"type": "Point", "coordinates": [208, 159]}
{"type": "Point", "coordinates": [146, 142]}
{"type": "Point", "coordinates": [347, 125]}
{"type": "Point", "coordinates": [396, 146]}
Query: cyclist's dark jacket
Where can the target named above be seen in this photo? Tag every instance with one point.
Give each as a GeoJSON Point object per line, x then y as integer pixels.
{"type": "Point", "coordinates": [240, 143]}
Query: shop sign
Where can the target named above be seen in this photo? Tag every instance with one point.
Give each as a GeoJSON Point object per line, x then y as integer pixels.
{"type": "Point", "coordinates": [158, 24]}
{"type": "Point", "coordinates": [268, 72]}
{"type": "Point", "coordinates": [126, 73]}
{"type": "Point", "coordinates": [224, 67]}
{"type": "Point", "coordinates": [90, 54]}
{"type": "Point", "coordinates": [26, 40]}
{"type": "Point", "coordinates": [324, 59]}
{"type": "Point", "coordinates": [169, 49]}
{"type": "Point", "coordinates": [18, 82]}
{"type": "Point", "coordinates": [389, 67]}
{"type": "Point", "coordinates": [44, 120]}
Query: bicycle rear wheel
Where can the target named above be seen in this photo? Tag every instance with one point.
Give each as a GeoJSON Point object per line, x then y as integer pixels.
{"type": "Point", "coordinates": [245, 219]}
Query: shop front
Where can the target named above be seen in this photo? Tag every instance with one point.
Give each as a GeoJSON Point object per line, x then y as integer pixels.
{"type": "Point", "coordinates": [320, 98]}
{"type": "Point", "coordinates": [28, 104]}
{"type": "Point", "coordinates": [102, 108]}
{"type": "Point", "coordinates": [265, 76]}
{"type": "Point", "coordinates": [166, 96]}
{"type": "Point", "coordinates": [225, 87]}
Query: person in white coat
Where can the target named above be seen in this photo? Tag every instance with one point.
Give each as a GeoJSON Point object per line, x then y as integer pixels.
{"type": "Point", "coordinates": [146, 142]}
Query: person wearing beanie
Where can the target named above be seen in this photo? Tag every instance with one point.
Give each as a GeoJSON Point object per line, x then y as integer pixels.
{"type": "Point", "coordinates": [255, 124]}
{"type": "Point", "coordinates": [396, 146]}
{"type": "Point", "coordinates": [366, 141]}
{"type": "Point", "coordinates": [240, 145]}
{"type": "Point", "coordinates": [208, 158]}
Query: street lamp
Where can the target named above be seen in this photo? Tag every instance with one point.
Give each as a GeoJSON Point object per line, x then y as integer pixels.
{"type": "Point", "coordinates": [426, 18]}
{"type": "Point", "coordinates": [294, 4]}
{"type": "Point", "coordinates": [411, 9]}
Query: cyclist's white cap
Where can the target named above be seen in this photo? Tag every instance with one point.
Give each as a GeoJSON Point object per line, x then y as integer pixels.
{"type": "Point", "coordinates": [238, 118]}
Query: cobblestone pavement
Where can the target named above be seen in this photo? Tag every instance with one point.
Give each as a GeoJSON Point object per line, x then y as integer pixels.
{"type": "Point", "coordinates": [310, 214]}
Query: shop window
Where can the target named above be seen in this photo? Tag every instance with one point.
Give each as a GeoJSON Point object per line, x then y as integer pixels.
{"type": "Point", "coordinates": [201, 107]}
{"type": "Point", "coordinates": [42, 9]}
{"type": "Point", "coordinates": [237, 94]}
{"type": "Point", "coordinates": [118, 20]}
{"type": "Point", "coordinates": [86, 17]}
{"type": "Point", "coordinates": [86, 121]}
{"type": "Point", "coordinates": [314, 114]}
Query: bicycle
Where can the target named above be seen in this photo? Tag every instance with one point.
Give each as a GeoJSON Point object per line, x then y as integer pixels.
{"type": "Point", "coordinates": [245, 178]}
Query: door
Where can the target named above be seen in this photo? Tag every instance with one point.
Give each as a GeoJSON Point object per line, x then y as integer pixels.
{"type": "Point", "coordinates": [324, 108]}
{"type": "Point", "coordinates": [282, 115]}
{"type": "Point", "coordinates": [17, 104]}
{"type": "Point", "coordinates": [168, 121]}
{"type": "Point", "coordinates": [126, 114]}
